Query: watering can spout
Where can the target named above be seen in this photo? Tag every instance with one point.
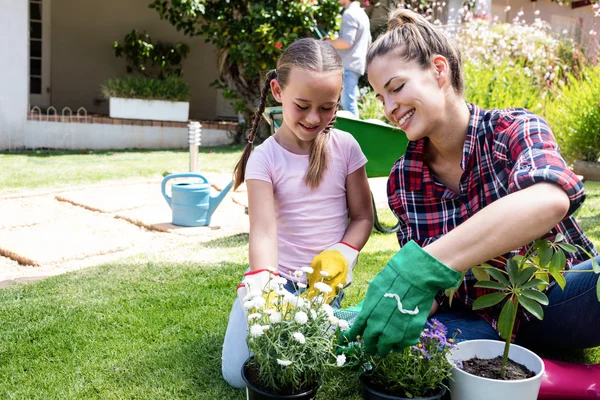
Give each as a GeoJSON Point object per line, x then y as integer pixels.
{"type": "Point", "coordinates": [216, 200]}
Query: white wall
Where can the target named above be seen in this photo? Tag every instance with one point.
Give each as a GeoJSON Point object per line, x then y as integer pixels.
{"type": "Point", "coordinates": [14, 70]}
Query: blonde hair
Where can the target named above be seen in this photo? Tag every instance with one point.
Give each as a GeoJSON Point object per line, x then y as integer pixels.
{"type": "Point", "coordinates": [311, 55]}
{"type": "Point", "coordinates": [412, 37]}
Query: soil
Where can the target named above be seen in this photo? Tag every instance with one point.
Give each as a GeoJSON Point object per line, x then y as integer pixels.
{"type": "Point", "coordinates": [490, 368]}
{"type": "Point", "coordinates": [396, 393]}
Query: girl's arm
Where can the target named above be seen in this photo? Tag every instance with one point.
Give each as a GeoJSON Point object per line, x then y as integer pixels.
{"type": "Point", "coordinates": [506, 224]}
{"type": "Point", "coordinates": [360, 209]}
{"type": "Point", "coordinates": [263, 226]}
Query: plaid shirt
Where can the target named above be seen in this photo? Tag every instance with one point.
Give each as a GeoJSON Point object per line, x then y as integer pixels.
{"type": "Point", "coordinates": [504, 151]}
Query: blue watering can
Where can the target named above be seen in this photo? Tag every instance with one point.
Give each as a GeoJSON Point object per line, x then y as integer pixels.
{"type": "Point", "coordinates": [191, 202]}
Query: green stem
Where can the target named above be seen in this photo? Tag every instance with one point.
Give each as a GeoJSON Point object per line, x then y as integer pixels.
{"type": "Point", "coordinates": [508, 340]}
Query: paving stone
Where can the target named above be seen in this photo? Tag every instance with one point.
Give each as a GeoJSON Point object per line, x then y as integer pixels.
{"type": "Point", "coordinates": [22, 212]}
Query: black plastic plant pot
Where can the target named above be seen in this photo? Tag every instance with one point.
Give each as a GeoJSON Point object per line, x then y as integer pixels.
{"type": "Point", "coordinates": [255, 393]}
{"type": "Point", "coordinates": [369, 393]}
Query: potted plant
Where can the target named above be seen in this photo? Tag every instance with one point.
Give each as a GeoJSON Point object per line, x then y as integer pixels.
{"type": "Point", "coordinates": [417, 372]}
{"type": "Point", "coordinates": [291, 339]}
{"type": "Point", "coordinates": [153, 88]}
{"type": "Point", "coordinates": [495, 370]}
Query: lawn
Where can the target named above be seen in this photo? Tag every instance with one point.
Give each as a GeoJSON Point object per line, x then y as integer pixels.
{"type": "Point", "coordinates": [151, 326]}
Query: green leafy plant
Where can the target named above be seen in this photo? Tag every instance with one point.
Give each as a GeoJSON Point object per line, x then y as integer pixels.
{"type": "Point", "coordinates": [416, 371]}
{"type": "Point", "coordinates": [523, 281]}
{"type": "Point", "coordinates": [249, 36]}
{"type": "Point", "coordinates": [171, 88]}
{"type": "Point", "coordinates": [369, 107]}
{"type": "Point", "coordinates": [291, 337]}
{"type": "Point", "coordinates": [574, 117]}
{"type": "Point", "coordinates": [152, 60]}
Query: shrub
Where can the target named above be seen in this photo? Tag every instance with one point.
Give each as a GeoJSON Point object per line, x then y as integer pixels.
{"type": "Point", "coordinates": [148, 59]}
{"type": "Point", "coordinates": [171, 88]}
{"type": "Point", "coordinates": [574, 117]}
{"type": "Point", "coordinates": [369, 107]}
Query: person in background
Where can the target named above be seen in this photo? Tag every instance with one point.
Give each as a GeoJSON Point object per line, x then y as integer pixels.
{"type": "Point", "coordinates": [352, 44]}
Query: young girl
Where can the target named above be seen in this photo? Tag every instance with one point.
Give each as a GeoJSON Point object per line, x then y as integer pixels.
{"type": "Point", "coordinates": [473, 185]}
{"type": "Point", "coordinates": [303, 183]}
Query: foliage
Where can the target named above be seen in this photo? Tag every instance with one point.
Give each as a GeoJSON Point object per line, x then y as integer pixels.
{"type": "Point", "coordinates": [291, 337]}
{"type": "Point", "coordinates": [527, 275]}
{"type": "Point", "coordinates": [417, 371]}
{"type": "Point", "coordinates": [144, 57]}
{"type": "Point", "coordinates": [574, 117]}
{"type": "Point", "coordinates": [529, 50]}
{"type": "Point", "coordinates": [171, 88]}
{"type": "Point", "coordinates": [501, 86]}
{"type": "Point", "coordinates": [249, 36]}
{"type": "Point", "coordinates": [369, 107]}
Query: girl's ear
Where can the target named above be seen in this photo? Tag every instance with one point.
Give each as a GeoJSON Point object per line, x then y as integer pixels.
{"type": "Point", "coordinates": [442, 69]}
{"type": "Point", "coordinates": [276, 90]}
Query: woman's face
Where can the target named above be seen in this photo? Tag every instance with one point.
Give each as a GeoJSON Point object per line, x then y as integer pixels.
{"type": "Point", "coordinates": [309, 101]}
{"type": "Point", "coordinates": [412, 96]}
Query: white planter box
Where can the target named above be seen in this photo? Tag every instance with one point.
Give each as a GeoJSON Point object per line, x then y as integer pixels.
{"type": "Point", "coordinates": [158, 110]}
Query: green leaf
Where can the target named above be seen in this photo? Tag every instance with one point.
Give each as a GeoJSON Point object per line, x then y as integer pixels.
{"type": "Point", "coordinates": [480, 273]}
{"type": "Point", "coordinates": [491, 285]}
{"type": "Point", "coordinates": [535, 282]}
{"type": "Point", "coordinates": [569, 248]}
{"type": "Point", "coordinates": [560, 279]}
{"type": "Point", "coordinates": [559, 238]}
{"type": "Point", "coordinates": [525, 275]}
{"type": "Point", "coordinates": [532, 306]}
{"type": "Point", "coordinates": [545, 254]}
{"type": "Point", "coordinates": [536, 295]}
{"type": "Point", "coordinates": [498, 275]}
{"type": "Point", "coordinates": [506, 319]}
{"type": "Point", "coordinates": [488, 300]}
{"type": "Point", "coordinates": [595, 265]}
{"type": "Point", "coordinates": [513, 270]}
{"type": "Point", "coordinates": [558, 262]}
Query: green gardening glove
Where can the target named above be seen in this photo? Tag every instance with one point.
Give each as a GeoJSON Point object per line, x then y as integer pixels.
{"type": "Point", "coordinates": [399, 299]}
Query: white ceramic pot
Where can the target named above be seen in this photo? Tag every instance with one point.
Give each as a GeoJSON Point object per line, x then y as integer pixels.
{"type": "Point", "coordinates": [465, 386]}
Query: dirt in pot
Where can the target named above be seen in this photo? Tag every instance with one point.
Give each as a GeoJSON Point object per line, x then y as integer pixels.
{"type": "Point", "coordinates": [490, 368]}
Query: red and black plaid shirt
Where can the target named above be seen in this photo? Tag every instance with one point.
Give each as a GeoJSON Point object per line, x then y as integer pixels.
{"type": "Point", "coordinates": [505, 151]}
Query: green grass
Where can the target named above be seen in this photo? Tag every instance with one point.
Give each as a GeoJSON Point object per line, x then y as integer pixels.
{"type": "Point", "coordinates": [51, 169]}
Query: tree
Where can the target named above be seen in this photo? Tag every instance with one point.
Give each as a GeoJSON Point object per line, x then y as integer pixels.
{"type": "Point", "coordinates": [248, 35]}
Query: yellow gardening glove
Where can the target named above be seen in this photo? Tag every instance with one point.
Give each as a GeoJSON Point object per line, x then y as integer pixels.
{"type": "Point", "coordinates": [333, 267]}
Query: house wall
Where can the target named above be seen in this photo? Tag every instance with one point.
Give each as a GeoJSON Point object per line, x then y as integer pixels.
{"type": "Point", "coordinates": [83, 33]}
{"type": "Point", "coordinates": [547, 8]}
{"type": "Point", "coordinates": [14, 72]}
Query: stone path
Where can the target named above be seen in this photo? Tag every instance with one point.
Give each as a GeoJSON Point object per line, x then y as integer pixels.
{"type": "Point", "coordinates": [55, 232]}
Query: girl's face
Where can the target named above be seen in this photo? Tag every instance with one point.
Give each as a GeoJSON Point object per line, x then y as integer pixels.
{"type": "Point", "coordinates": [309, 102]}
{"type": "Point", "coordinates": [413, 97]}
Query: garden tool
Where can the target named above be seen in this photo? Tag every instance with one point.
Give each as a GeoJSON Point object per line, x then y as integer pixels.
{"type": "Point", "coordinates": [570, 381]}
{"type": "Point", "coordinates": [337, 263]}
{"type": "Point", "coordinates": [399, 299]}
{"type": "Point", "coordinates": [191, 202]}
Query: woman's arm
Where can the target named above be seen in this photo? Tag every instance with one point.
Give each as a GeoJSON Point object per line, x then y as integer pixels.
{"type": "Point", "coordinates": [360, 209]}
{"type": "Point", "coordinates": [263, 251]}
{"type": "Point", "coordinates": [502, 226]}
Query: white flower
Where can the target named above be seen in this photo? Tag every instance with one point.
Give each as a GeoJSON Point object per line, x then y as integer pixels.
{"type": "Point", "coordinates": [301, 285]}
{"type": "Point", "coordinates": [253, 316]}
{"type": "Point", "coordinates": [256, 330]}
{"type": "Point", "coordinates": [323, 287]}
{"type": "Point", "coordinates": [268, 311]}
{"type": "Point", "coordinates": [275, 318]}
{"type": "Point", "coordinates": [340, 360]}
{"type": "Point", "coordinates": [313, 314]}
{"type": "Point", "coordinates": [285, 363]}
{"type": "Point", "coordinates": [343, 324]}
{"type": "Point", "coordinates": [340, 286]}
{"type": "Point", "coordinates": [298, 274]}
{"type": "Point", "coordinates": [299, 337]}
{"type": "Point", "coordinates": [324, 274]}
{"type": "Point", "coordinates": [327, 309]}
{"type": "Point", "coordinates": [301, 317]}
{"type": "Point", "coordinates": [258, 302]}
{"type": "Point", "coordinates": [308, 270]}
{"type": "Point", "coordinates": [248, 305]}
{"type": "Point", "coordinates": [333, 320]}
